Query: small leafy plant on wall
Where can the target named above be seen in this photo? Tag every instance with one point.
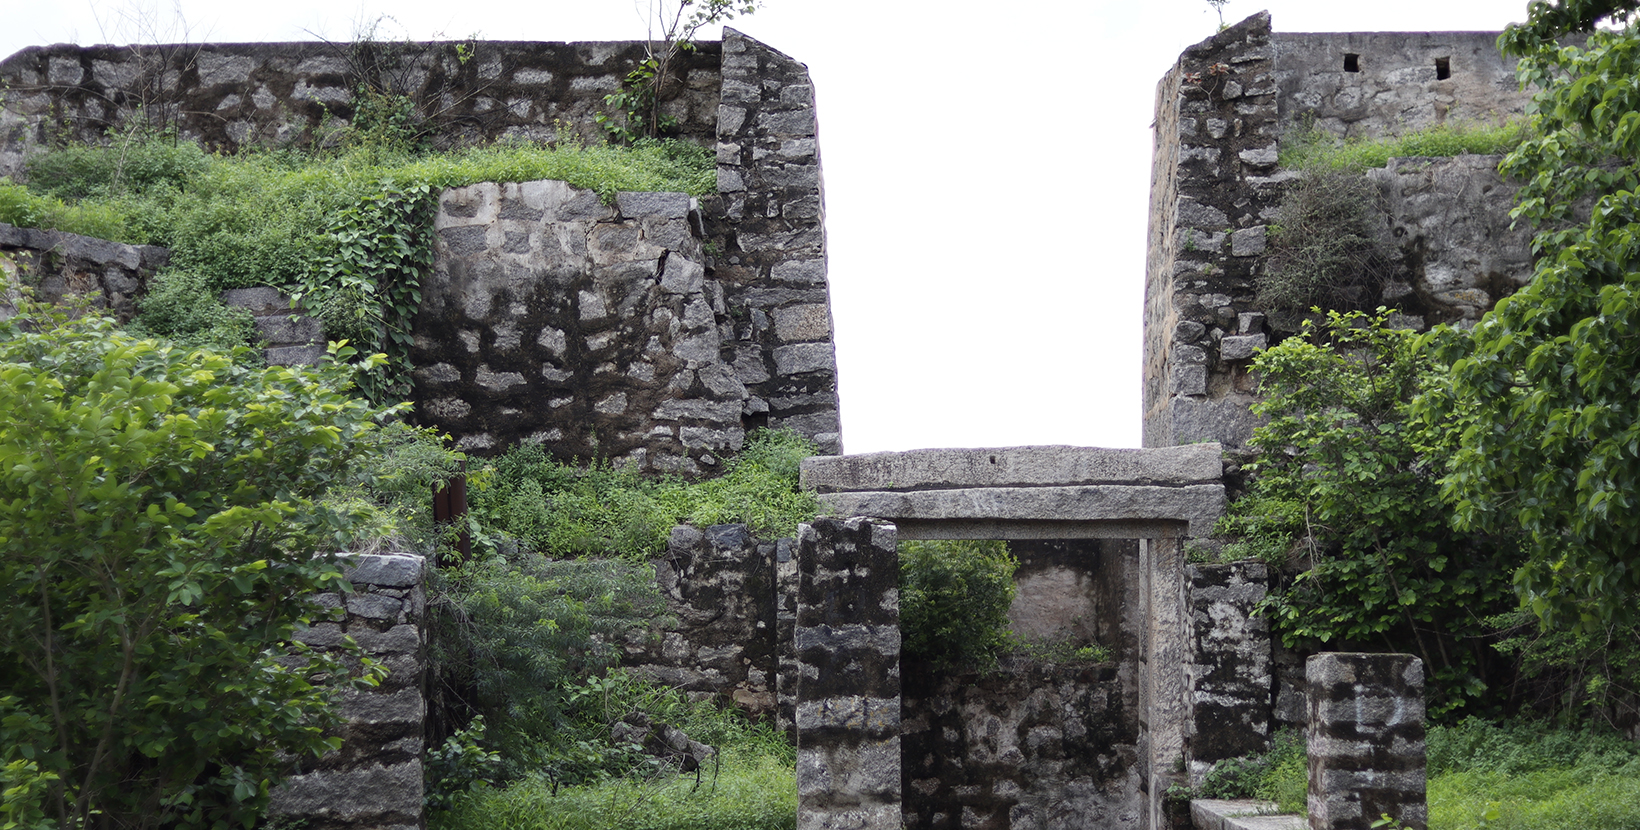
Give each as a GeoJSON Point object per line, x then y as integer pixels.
{"type": "Point", "coordinates": [367, 287]}
{"type": "Point", "coordinates": [637, 104]}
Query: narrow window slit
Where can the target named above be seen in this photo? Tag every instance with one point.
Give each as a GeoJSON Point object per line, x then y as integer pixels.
{"type": "Point", "coordinates": [1352, 62]}
{"type": "Point", "coordinates": [1443, 68]}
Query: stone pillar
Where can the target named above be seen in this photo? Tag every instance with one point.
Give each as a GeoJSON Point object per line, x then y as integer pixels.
{"type": "Point", "coordinates": [1366, 740]}
{"type": "Point", "coordinates": [848, 689]}
{"type": "Point", "coordinates": [1164, 688]}
{"type": "Point", "coordinates": [375, 779]}
{"type": "Point", "coordinates": [1230, 667]}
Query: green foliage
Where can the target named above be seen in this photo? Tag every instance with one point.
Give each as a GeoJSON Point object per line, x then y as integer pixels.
{"type": "Point", "coordinates": [1578, 675]}
{"type": "Point", "coordinates": [747, 792]}
{"type": "Point", "coordinates": [509, 637]}
{"type": "Point", "coordinates": [1314, 150]}
{"type": "Point", "coordinates": [460, 765]}
{"type": "Point", "coordinates": [1279, 775]}
{"type": "Point", "coordinates": [568, 510]}
{"type": "Point", "coordinates": [367, 287]}
{"type": "Point", "coordinates": [24, 209]}
{"type": "Point", "coordinates": [1549, 382]}
{"type": "Point", "coordinates": [137, 163]}
{"type": "Point", "coordinates": [181, 306]}
{"type": "Point", "coordinates": [260, 218]}
{"type": "Point", "coordinates": [160, 535]}
{"type": "Point", "coordinates": [1348, 475]}
{"type": "Point", "coordinates": [954, 599]}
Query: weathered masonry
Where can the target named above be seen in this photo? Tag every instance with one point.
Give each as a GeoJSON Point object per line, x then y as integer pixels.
{"type": "Point", "coordinates": [656, 331]}
{"type": "Point", "coordinates": [1099, 749]}
{"type": "Point", "coordinates": [1221, 114]}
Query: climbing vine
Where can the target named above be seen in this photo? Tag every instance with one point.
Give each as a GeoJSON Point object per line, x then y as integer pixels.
{"type": "Point", "coordinates": [367, 286]}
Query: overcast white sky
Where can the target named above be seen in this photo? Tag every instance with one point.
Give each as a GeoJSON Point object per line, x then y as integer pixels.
{"type": "Point", "coordinates": [986, 172]}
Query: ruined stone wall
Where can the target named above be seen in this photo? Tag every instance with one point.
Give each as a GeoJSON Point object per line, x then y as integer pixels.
{"type": "Point", "coordinates": [230, 96]}
{"type": "Point", "coordinates": [1370, 84]}
{"type": "Point", "coordinates": [58, 264]}
{"type": "Point", "coordinates": [1442, 223]}
{"type": "Point", "coordinates": [721, 639]}
{"type": "Point", "coordinates": [1213, 193]}
{"type": "Point", "coordinates": [657, 331]}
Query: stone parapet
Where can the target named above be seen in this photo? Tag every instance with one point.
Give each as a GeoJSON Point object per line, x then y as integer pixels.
{"type": "Point", "coordinates": [847, 639]}
{"type": "Point", "coordinates": [1366, 740]}
{"type": "Point", "coordinates": [232, 96]}
{"type": "Point", "coordinates": [374, 781]}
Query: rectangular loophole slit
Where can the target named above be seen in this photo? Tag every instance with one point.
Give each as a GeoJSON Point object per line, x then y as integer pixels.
{"type": "Point", "coordinates": [1352, 62]}
{"type": "Point", "coordinates": [1443, 68]}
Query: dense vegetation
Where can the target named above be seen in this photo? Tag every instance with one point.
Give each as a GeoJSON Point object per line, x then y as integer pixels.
{"type": "Point", "coordinates": [164, 526]}
{"type": "Point", "coordinates": [346, 231]}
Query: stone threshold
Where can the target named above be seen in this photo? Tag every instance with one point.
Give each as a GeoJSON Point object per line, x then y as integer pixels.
{"type": "Point", "coordinates": [1241, 814]}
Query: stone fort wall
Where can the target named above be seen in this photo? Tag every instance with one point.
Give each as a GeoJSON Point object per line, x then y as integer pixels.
{"type": "Point", "coordinates": [657, 331]}
{"type": "Point", "coordinates": [1221, 114]}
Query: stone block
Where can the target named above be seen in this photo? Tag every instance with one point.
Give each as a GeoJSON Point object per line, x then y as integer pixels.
{"type": "Point", "coordinates": [352, 795]}
{"type": "Point", "coordinates": [286, 329]}
{"type": "Point", "coordinates": [386, 570]}
{"type": "Point", "coordinates": [653, 205]}
{"type": "Point", "coordinates": [1248, 241]}
{"type": "Point", "coordinates": [804, 358]}
{"type": "Point", "coordinates": [1241, 346]}
{"type": "Point", "coordinates": [294, 355]}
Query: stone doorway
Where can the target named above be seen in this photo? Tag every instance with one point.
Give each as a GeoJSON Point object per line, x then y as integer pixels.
{"type": "Point", "coordinates": [1058, 504]}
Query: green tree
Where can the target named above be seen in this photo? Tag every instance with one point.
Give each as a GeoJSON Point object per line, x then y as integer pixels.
{"type": "Point", "coordinates": [1348, 483]}
{"type": "Point", "coordinates": [1549, 382]}
{"type": "Point", "coordinates": [160, 530]}
{"type": "Point", "coordinates": [954, 600]}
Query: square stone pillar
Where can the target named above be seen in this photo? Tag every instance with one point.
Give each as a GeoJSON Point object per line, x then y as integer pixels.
{"type": "Point", "coordinates": [1366, 740]}
{"type": "Point", "coordinates": [1164, 690]}
{"type": "Point", "coordinates": [848, 688]}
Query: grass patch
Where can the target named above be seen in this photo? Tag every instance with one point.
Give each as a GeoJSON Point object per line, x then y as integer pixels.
{"type": "Point", "coordinates": [1312, 149]}
{"type": "Point", "coordinates": [1516, 776]}
{"type": "Point", "coordinates": [747, 791]}
{"type": "Point", "coordinates": [570, 510]}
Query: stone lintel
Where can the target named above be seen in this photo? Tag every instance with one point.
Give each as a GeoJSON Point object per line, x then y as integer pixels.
{"type": "Point", "coordinates": [1039, 466]}
{"type": "Point", "coordinates": [1198, 504]}
{"type": "Point", "coordinates": [1020, 530]}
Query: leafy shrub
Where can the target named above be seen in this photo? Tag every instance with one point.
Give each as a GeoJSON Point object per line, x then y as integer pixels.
{"type": "Point", "coordinates": [460, 765]}
{"type": "Point", "coordinates": [1279, 775]}
{"type": "Point", "coordinates": [509, 637]}
{"type": "Point", "coordinates": [160, 538]}
{"type": "Point", "coordinates": [1350, 472]}
{"type": "Point", "coordinates": [181, 306]}
{"type": "Point", "coordinates": [568, 510]}
{"type": "Point", "coordinates": [954, 599]}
